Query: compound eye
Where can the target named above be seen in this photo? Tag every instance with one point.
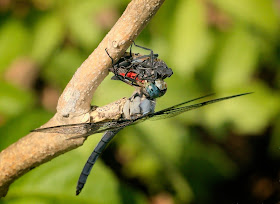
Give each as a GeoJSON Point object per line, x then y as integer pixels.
{"type": "Point", "coordinates": [160, 84]}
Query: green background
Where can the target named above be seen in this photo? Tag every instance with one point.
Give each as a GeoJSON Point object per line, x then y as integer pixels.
{"type": "Point", "coordinates": [224, 153]}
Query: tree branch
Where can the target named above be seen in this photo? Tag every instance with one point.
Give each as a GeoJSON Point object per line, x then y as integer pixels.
{"type": "Point", "coordinates": [74, 104]}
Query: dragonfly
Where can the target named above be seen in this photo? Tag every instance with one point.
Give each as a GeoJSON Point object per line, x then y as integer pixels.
{"type": "Point", "coordinates": [111, 128]}
{"type": "Point", "coordinates": [144, 72]}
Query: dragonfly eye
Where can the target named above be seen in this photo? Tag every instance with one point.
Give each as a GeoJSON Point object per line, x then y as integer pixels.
{"type": "Point", "coordinates": [161, 84]}
{"type": "Point", "coordinates": [156, 89]}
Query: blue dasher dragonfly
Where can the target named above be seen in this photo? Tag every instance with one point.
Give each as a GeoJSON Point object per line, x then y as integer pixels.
{"type": "Point", "coordinates": [113, 127]}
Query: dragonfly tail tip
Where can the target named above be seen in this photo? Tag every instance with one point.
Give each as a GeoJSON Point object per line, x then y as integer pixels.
{"type": "Point", "coordinates": [78, 191]}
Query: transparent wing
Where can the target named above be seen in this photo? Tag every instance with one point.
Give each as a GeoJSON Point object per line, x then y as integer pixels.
{"type": "Point", "coordinates": [176, 110]}
{"type": "Point", "coordinates": [80, 128]}
{"type": "Point", "coordinates": [180, 104]}
{"type": "Point", "coordinates": [168, 112]}
{"type": "Point", "coordinates": [110, 126]}
{"type": "Point", "coordinates": [86, 129]}
{"type": "Point", "coordinates": [83, 128]}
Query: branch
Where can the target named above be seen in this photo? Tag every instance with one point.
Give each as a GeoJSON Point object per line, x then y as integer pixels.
{"type": "Point", "coordinates": [74, 104]}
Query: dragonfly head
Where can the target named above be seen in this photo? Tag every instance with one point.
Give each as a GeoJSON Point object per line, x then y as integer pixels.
{"type": "Point", "coordinates": [155, 89]}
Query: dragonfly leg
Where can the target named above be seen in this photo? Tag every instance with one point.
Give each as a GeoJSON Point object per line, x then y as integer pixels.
{"type": "Point", "coordinates": [106, 138]}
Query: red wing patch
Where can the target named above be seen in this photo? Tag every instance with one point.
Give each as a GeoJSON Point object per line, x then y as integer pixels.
{"type": "Point", "coordinates": [131, 75]}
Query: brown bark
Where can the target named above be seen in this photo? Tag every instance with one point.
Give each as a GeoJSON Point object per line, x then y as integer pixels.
{"type": "Point", "coordinates": [74, 104]}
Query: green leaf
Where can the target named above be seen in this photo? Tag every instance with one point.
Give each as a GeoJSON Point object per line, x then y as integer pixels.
{"type": "Point", "coordinates": [260, 13]}
{"type": "Point", "coordinates": [48, 34]}
{"type": "Point", "coordinates": [82, 22]}
{"type": "Point", "coordinates": [62, 67]}
{"type": "Point", "coordinates": [14, 42]}
{"type": "Point", "coordinates": [236, 61]}
{"type": "Point", "coordinates": [249, 114]}
{"type": "Point", "coordinates": [190, 39]}
{"type": "Point", "coordinates": [20, 126]}
{"type": "Point", "coordinates": [14, 101]}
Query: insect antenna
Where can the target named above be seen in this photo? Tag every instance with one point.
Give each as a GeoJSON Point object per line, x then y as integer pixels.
{"type": "Point", "coordinates": [109, 56]}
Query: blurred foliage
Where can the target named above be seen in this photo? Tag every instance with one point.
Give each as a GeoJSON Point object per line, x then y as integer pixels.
{"type": "Point", "coordinates": [226, 47]}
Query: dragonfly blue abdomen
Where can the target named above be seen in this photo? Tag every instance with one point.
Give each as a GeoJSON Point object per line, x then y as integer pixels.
{"type": "Point", "coordinates": [106, 138]}
{"type": "Point", "coordinates": [135, 106]}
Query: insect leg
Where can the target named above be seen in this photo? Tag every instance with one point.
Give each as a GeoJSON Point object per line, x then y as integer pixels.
{"type": "Point", "coordinates": [109, 56]}
{"type": "Point", "coordinates": [130, 50]}
{"type": "Point", "coordinates": [106, 138]}
{"type": "Point", "coordinates": [115, 68]}
{"type": "Point", "coordinates": [152, 52]}
{"type": "Point", "coordinates": [127, 71]}
{"type": "Point", "coordinates": [141, 47]}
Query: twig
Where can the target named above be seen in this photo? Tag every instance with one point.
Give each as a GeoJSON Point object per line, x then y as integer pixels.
{"type": "Point", "coordinates": [74, 104]}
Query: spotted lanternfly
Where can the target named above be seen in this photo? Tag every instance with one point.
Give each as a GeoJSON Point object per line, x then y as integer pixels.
{"type": "Point", "coordinates": [135, 69]}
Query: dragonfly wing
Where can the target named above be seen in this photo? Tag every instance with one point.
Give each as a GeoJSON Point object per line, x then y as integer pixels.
{"type": "Point", "coordinates": [166, 113]}
{"type": "Point", "coordinates": [107, 126]}
{"type": "Point", "coordinates": [176, 110]}
{"type": "Point", "coordinates": [86, 129]}
{"type": "Point", "coordinates": [180, 104]}
{"type": "Point", "coordinates": [80, 128]}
